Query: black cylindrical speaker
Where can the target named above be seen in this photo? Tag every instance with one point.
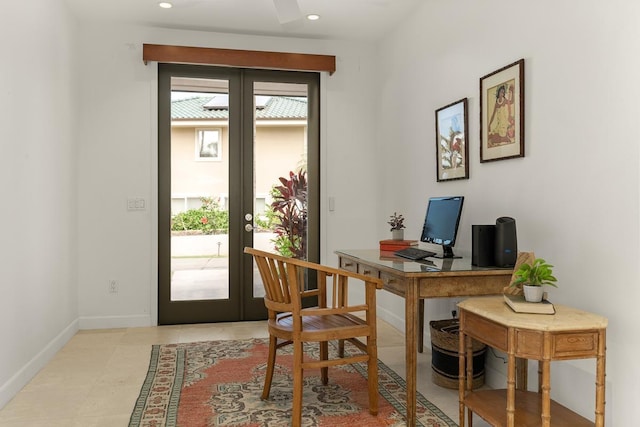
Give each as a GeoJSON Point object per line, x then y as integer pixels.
{"type": "Point", "coordinates": [506, 242]}
{"type": "Point", "coordinates": [483, 245]}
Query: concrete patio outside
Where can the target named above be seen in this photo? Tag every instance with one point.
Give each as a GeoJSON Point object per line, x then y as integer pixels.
{"type": "Point", "coordinates": [199, 266]}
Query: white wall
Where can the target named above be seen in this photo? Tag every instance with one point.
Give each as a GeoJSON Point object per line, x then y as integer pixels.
{"type": "Point", "coordinates": [39, 304]}
{"type": "Point", "coordinates": [575, 193]}
{"type": "Point", "coordinates": [117, 158]}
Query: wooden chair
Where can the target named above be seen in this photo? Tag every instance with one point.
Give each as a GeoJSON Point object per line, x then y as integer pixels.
{"type": "Point", "coordinates": [291, 323]}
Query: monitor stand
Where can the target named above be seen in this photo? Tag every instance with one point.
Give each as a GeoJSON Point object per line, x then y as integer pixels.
{"type": "Point", "coordinates": [447, 252]}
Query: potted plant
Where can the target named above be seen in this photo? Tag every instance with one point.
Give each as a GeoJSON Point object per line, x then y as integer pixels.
{"type": "Point", "coordinates": [397, 226]}
{"type": "Point", "coordinates": [533, 277]}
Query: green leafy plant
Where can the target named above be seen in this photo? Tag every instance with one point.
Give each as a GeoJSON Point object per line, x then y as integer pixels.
{"type": "Point", "coordinates": [396, 221]}
{"type": "Point", "coordinates": [264, 221]}
{"type": "Point", "coordinates": [290, 211]}
{"type": "Point", "coordinates": [537, 274]}
{"type": "Point", "coordinates": [208, 219]}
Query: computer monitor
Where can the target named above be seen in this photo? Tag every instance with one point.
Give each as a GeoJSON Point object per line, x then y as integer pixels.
{"type": "Point", "coordinates": [441, 223]}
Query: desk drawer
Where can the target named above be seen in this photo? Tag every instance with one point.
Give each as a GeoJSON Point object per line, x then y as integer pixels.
{"type": "Point", "coordinates": [392, 283]}
{"type": "Point", "coordinates": [347, 264]}
{"type": "Point", "coordinates": [366, 270]}
{"type": "Point", "coordinates": [486, 331]}
{"type": "Point", "coordinates": [575, 345]}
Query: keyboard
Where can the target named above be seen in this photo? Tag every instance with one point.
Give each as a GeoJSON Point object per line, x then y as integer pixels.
{"type": "Point", "coordinates": [414, 253]}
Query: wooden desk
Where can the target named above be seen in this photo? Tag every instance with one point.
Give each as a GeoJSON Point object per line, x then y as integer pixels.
{"type": "Point", "coordinates": [415, 281]}
{"type": "Point", "coordinates": [568, 334]}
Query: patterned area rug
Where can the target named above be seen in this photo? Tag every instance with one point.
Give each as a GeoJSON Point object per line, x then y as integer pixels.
{"type": "Point", "coordinates": [219, 383]}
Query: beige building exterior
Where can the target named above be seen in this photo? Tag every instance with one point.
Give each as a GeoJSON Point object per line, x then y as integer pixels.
{"type": "Point", "coordinates": [200, 155]}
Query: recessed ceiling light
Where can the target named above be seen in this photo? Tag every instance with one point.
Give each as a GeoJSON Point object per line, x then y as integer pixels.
{"type": "Point", "coordinates": [313, 17]}
{"type": "Point", "coordinates": [165, 5]}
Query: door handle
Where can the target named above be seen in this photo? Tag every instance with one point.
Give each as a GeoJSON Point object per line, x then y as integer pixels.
{"type": "Point", "coordinates": [248, 227]}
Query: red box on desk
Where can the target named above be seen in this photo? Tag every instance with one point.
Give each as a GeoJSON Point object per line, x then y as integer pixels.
{"type": "Point", "coordinates": [396, 245]}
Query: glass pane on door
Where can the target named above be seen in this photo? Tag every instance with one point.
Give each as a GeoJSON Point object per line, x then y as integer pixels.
{"type": "Point", "coordinates": [199, 189]}
{"type": "Point", "coordinates": [280, 171]}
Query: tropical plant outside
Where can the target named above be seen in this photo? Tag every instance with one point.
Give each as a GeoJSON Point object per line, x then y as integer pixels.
{"type": "Point", "coordinates": [286, 216]}
{"type": "Point", "coordinates": [289, 207]}
{"type": "Point", "coordinates": [209, 218]}
{"type": "Point", "coordinates": [266, 220]}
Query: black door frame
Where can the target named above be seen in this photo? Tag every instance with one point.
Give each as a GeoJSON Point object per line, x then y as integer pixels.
{"type": "Point", "coordinates": [246, 307]}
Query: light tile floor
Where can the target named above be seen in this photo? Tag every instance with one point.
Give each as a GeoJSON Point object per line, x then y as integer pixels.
{"type": "Point", "coordinates": [95, 379]}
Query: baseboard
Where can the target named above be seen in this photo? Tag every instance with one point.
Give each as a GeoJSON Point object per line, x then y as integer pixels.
{"type": "Point", "coordinates": [114, 322]}
{"type": "Point", "coordinates": [392, 318]}
{"type": "Point", "coordinates": [9, 389]}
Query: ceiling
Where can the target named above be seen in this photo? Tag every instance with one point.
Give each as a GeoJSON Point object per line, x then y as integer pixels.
{"type": "Point", "coordinates": [363, 20]}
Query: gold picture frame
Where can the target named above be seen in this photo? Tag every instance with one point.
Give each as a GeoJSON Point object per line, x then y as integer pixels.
{"type": "Point", "coordinates": [452, 149]}
{"type": "Point", "coordinates": [502, 113]}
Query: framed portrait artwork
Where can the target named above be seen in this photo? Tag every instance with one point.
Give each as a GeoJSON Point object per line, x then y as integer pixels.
{"type": "Point", "coordinates": [502, 113]}
{"type": "Point", "coordinates": [452, 152]}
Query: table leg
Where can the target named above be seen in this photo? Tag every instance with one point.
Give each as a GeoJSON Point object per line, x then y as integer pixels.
{"type": "Point", "coordinates": [544, 374]}
{"type": "Point", "coordinates": [343, 293]}
{"type": "Point", "coordinates": [420, 325]}
{"type": "Point", "coordinates": [545, 388]}
{"type": "Point", "coordinates": [600, 377]}
{"type": "Point", "coordinates": [461, 377]}
{"type": "Point", "coordinates": [511, 378]}
{"type": "Point", "coordinates": [522, 374]}
{"type": "Point", "coordinates": [469, 376]}
{"type": "Point", "coordinates": [411, 323]}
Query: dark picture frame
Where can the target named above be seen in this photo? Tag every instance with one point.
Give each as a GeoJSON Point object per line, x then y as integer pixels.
{"type": "Point", "coordinates": [502, 113]}
{"type": "Point", "coordinates": [452, 139]}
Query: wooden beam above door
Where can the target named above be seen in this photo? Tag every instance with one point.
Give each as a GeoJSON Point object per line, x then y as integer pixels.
{"type": "Point", "coordinates": [238, 58]}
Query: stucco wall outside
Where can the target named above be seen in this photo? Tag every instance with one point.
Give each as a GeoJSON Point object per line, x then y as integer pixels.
{"type": "Point", "coordinates": [278, 150]}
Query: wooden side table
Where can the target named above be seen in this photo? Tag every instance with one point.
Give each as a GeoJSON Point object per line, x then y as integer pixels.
{"type": "Point", "coordinates": [568, 334]}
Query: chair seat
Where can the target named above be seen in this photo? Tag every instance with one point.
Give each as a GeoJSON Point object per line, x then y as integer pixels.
{"type": "Point", "coordinates": [337, 326]}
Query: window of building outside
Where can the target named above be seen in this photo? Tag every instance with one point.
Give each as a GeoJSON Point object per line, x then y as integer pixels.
{"type": "Point", "coordinates": [208, 145]}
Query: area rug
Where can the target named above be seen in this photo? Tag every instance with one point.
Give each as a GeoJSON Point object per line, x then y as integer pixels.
{"type": "Point", "coordinates": [219, 383]}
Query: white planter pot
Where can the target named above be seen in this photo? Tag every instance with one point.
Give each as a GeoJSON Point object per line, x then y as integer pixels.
{"type": "Point", "coordinates": [397, 234]}
{"type": "Point", "coordinates": [533, 293]}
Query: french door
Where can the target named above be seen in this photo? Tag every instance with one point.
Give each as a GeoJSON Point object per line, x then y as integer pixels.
{"type": "Point", "coordinates": [227, 139]}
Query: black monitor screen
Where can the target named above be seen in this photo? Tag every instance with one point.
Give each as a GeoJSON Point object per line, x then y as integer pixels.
{"type": "Point", "coordinates": [441, 222]}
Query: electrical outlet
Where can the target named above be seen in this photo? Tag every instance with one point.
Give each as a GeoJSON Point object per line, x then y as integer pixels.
{"type": "Point", "coordinates": [454, 307]}
{"type": "Point", "coordinates": [136, 204]}
{"type": "Point", "coordinates": [113, 286]}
